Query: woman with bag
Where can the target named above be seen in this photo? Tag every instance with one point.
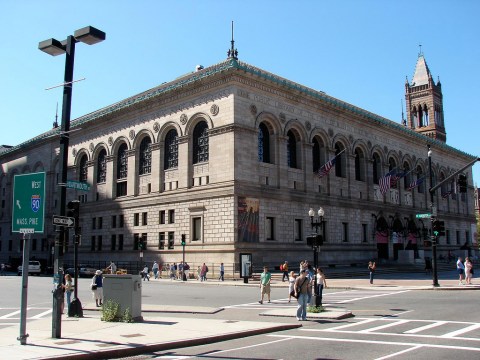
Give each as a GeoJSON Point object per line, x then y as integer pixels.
{"type": "Point", "coordinates": [371, 268]}
{"type": "Point", "coordinates": [291, 284]}
{"type": "Point", "coordinates": [97, 288]}
{"type": "Point", "coordinates": [321, 283]}
{"type": "Point", "coordinates": [68, 290]}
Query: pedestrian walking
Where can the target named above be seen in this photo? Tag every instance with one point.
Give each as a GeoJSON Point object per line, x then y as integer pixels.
{"type": "Point", "coordinates": [291, 284]}
{"type": "Point", "coordinates": [145, 273]}
{"type": "Point", "coordinates": [155, 269]}
{"type": "Point", "coordinates": [371, 268]}
{"type": "Point", "coordinates": [284, 268]}
{"type": "Point", "coordinates": [173, 271]}
{"type": "Point", "coordinates": [460, 271]}
{"type": "Point", "coordinates": [112, 267]}
{"type": "Point", "coordinates": [68, 290]}
{"type": "Point", "coordinates": [302, 290]}
{"type": "Point", "coordinates": [321, 284]}
{"type": "Point", "coordinates": [97, 288]}
{"type": "Point", "coordinates": [186, 270]}
{"type": "Point", "coordinates": [222, 272]}
{"type": "Point", "coordinates": [265, 278]}
{"type": "Point", "coordinates": [203, 272]}
{"type": "Point", "coordinates": [2, 269]}
{"type": "Point", "coordinates": [468, 271]}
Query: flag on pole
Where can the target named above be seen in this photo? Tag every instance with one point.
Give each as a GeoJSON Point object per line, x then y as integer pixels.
{"type": "Point", "coordinates": [325, 168]}
{"type": "Point", "coordinates": [389, 180]}
{"type": "Point", "coordinates": [416, 183]}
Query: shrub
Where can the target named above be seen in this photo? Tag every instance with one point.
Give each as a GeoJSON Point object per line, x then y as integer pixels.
{"type": "Point", "coordinates": [315, 309]}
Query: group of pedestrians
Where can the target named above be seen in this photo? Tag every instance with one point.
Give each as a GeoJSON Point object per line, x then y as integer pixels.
{"type": "Point", "coordinates": [465, 271]}
{"type": "Point", "coordinates": [301, 287]}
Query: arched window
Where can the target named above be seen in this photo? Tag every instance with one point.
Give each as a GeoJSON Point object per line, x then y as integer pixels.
{"type": "Point", "coordinates": [145, 163]}
{"type": "Point", "coordinates": [102, 166]}
{"type": "Point", "coordinates": [171, 150]}
{"type": "Point", "coordinates": [316, 155]}
{"type": "Point", "coordinates": [291, 150]}
{"type": "Point", "coordinates": [420, 117]}
{"type": "Point", "coordinates": [340, 165]}
{"type": "Point", "coordinates": [122, 162]}
{"type": "Point", "coordinates": [263, 143]}
{"type": "Point", "coordinates": [414, 117]}
{"type": "Point", "coordinates": [425, 115]}
{"type": "Point", "coordinates": [393, 169]}
{"type": "Point", "coordinates": [122, 170]}
{"type": "Point", "coordinates": [420, 176]}
{"type": "Point", "coordinates": [83, 169]}
{"type": "Point", "coordinates": [200, 143]}
{"type": "Point", "coordinates": [376, 168]}
{"type": "Point", "coordinates": [407, 179]}
{"type": "Point", "coordinates": [359, 165]}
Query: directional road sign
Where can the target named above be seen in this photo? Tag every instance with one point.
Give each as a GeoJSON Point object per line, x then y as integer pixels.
{"type": "Point", "coordinates": [77, 185]}
{"type": "Point", "coordinates": [423, 216]}
{"type": "Point", "coordinates": [63, 221]}
{"type": "Point", "coordinates": [28, 212]}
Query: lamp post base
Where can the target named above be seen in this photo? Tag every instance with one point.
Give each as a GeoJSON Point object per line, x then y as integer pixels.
{"type": "Point", "coordinates": [75, 309]}
{"type": "Point", "coordinates": [316, 300]}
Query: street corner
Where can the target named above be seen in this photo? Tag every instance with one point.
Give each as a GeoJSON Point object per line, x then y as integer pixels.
{"type": "Point", "coordinates": [328, 314]}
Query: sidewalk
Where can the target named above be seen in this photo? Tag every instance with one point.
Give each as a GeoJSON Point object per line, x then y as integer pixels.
{"type": "Point", "coordinates": [91, 338]}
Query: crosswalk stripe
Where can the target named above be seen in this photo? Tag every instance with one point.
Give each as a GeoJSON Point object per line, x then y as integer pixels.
{"type": "Point", "coordinates": [38, 316]}
{"type": "Point", "coordinates": [393, 323]}
{"type": "Point", "coordinates": [8, 316]}
{"type": "Point", "coordinates": [366, 321]}
{"type": "Point", "coordinates": [461, 331]}
{"type": "Point", "coordinates": [425, 327]}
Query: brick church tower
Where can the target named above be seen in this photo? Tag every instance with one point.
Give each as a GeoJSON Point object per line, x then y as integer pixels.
{"type": "Point", "coordinates": [424, 101]}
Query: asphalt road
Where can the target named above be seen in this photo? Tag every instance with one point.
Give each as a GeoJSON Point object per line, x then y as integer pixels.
{"type": "Point", "coordinates": [388, 324]}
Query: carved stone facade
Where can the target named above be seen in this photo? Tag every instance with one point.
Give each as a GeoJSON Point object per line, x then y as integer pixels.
{"type": "Point", "coordinates": [230, 160]}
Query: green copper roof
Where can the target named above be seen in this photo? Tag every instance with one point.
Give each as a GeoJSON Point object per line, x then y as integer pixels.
{"type": "Point", "coordinates": [228, 64]}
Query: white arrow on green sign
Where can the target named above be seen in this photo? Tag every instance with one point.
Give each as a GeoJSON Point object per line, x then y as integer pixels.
{"type": "Point", "coordinates": [28, 211]}
{"type": "Point", "coordinates": [77, 185]}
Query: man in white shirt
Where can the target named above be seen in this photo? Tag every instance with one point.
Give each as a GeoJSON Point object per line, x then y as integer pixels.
{"type": "Point", "coordinates": [460, 270]}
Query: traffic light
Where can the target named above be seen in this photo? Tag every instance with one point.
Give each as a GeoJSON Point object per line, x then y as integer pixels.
{"type": "Point", "coordinates": [74, 211]}
{"type": "Point", "coordinates": [183, 240]}
{"type": "Point", "coordinates": [462, 183]}
{"type": "Point", "coordinates": [438, 228]}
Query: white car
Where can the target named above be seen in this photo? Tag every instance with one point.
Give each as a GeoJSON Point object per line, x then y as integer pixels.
{"type": "Point", "coordinates": [34, 267]}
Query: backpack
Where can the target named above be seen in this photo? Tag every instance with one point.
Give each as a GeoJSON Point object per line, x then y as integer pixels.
{"type": "Point", "coordinates": [281, 267]}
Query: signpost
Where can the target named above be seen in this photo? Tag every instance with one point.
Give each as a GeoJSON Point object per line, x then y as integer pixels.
{"type": "Point", "coordinates": [77, 185]}
{"type": "Point", "coordinates": [63, 221]}
{"type": "Point", "coordinates": [423, 216]}
{"type": "Point", "coordinates": [28, 217]}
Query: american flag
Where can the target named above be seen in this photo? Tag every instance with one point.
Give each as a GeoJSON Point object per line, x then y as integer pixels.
{"type": "Point", "coordinates": [385, 183]}
{"type": "Point", "coordinates": [415, 183]}
{"type": "Point", "coordinates": [325, 169]}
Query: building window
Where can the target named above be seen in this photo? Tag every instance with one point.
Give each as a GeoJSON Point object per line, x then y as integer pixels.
{"type": "Point", "coordinates": [364, 233]}
{"type": "Point", "coordinates": [145, 163]}
{"type": "Point", "coordinates": [94, 223]}
{"type": "Point", "coordinates": [359, 165]}
{"type": "Point", "coordinates": [316, 155]}
{"type": "Point", "coordinates": [171, 216]}
{"type": "Point", "coordinates": [458, 237]}
{"type": "Point", "coordinates": [345, 232]}
{"type": "Point", "coordinates": [291, 150]}
{"type": "Point", "coordinates": [263, 144]}
{"type": "Point", "coordinates": [171, 240]}
{"type": "Point", "coordinates": [144, 241]}
{"type": "Point", "coordinates": [113, 242]}
{"type": "Point", "coordinates": [83, 169]}
{"type": "Point", "coordinates": [120, 221]}
{"type": "Point", "coordinates": [44, 245]}
{"type": "Point", "coordinates": [136, 241]}
{"type": "Point", "coordinates": [10, 245]}
{"type": "Point", "coordinates": [171, 150]}
{"type": "Point", "coordinates": [200, 143]}
{"type": "Point", "coordinates": [100, 222]}
{"type": "Point", "coordinates": [161, 217]}
{"type": "Point", "coordinates": [270, 228]}
{"type": "Point", "coordinates": [34, 244]}
{"type": "Point", "coordinates": [102, 166]}
{"type": "Point", "coordinates": [114, 221]}
{"type": "Point", "coordinates": [419, 176]}
{"type": "Point", "coordinates": [122, 170]}
{"type": "Point", "coordinates": [447, 233]}
{"type": "Point", "coordinates": [136, 219]}
{"type": "Point", "coordinates": [376, 168]}
{"type": "Point", "coordinates": [144, 218]}
{"type": "Point", "coordinates": [197, 229]}
{"type": "Point", "coordinates": [161, 241]}
{"type": "Point", "coordinates": [467, 238]}
{"type": "Point", "coordinates": [298, 230]}
{"type": "Point", "coordinates": [92, 244]}
{"type": "Point", "coordinates": [100, 243]}
{"type": "Point", "coordinates": [340, 164]}
{"type": "Point", "coordinates": [120, 242]}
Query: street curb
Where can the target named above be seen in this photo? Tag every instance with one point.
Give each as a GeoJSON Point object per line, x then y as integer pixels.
{"type": "Point", "coordinates": [142, 349]}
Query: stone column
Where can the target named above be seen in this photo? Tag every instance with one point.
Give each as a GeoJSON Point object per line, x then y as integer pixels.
{"type": "Point", "coordinates": [132, 178]}
{"type": "Point", "coordinates": [155, 176]}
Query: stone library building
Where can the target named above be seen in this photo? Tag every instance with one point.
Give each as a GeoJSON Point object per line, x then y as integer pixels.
{"type": "Point", "coordinates": [234, 157]}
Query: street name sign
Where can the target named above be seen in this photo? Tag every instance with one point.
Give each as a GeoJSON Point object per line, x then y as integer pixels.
{"type": "Point", "coordinates": [423, 216]}
{"type": "Point", "coordinates": [77, 185]}
{"type": "Point", "coordinates": [63, 221]}
{"type": "Point", "coordinates": [28, 210]}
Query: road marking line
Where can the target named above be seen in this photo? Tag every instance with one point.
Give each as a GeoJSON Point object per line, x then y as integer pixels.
{"type": "Point", "coordinates": [461, 331]}
{"type": "Point", "coordinates": [9, 315]}
{"type": "Point", "coordinates": [399, 353]}
{"type": "Point", "coordinates": [345, 326]}
{"type": "Point", "coordinates": [377, 342]}
{"type": "Point", "coordinates": [38, 316]}
{"type": "Point", "coordinates": [425, 327]}
{"type": "Point", "coordinates": [373, 296]}
{"type": "Point", "coordinates": [393, 323]}
{"type": "Point", "coordinates": [397, 314]}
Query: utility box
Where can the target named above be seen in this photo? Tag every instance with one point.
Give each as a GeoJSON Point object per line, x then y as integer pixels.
{"type": "Point", "coordinates": [126, 290]}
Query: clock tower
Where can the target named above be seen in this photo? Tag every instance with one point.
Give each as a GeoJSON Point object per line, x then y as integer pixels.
{"type": "Point", "coordinates": [424, 101]}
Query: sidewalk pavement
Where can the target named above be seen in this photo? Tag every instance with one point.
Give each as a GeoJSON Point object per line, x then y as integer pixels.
{"type": "Point", "coordinates": [91, 338]}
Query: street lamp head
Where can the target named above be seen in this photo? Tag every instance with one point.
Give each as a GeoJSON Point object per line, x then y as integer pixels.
{"type": "Point", "coordinates": [89, 35]}
{"type": "Point", "coordinates": [321, 212]}
{"type": "Point", "coordinates": [311, 213]}
{"type": "Point", "coordinates": [52, 47]}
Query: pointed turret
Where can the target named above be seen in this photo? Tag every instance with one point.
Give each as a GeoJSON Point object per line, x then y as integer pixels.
{"type": "Point", "coordinates": [424, 102]}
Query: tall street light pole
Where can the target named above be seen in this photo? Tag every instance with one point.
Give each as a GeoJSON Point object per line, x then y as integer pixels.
{"type": "Point", "coordinates": [316, 242]}
{"type": "Point", "coordinates": [90, 36]}
{"type": "Point", "coordinates": [433, 215]}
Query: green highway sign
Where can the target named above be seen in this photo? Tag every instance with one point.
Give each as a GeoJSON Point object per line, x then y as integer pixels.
{"type": "Point", "coordinates": [77, 185]}
{"type": "Point", "coordinates": [423, 216]}
{"type": "Point", "coordinates": [28, 214]}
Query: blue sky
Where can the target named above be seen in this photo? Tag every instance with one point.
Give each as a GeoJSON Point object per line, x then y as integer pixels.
{"type": "Point", "coordinates": [359, 51]}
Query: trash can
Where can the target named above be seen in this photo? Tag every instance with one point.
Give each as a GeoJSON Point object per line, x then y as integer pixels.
{"type": "Point", "coordinates": [126, 290]}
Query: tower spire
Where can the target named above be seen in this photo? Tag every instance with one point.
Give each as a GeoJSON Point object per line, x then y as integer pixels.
{"type": "Point", "coordinates": [55, 123]}
{"type": "Point", "coordinates": [232, 52]}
